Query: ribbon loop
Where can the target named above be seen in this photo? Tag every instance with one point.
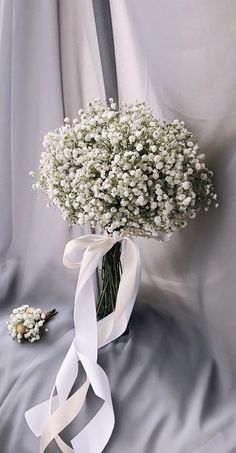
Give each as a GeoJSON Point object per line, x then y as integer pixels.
{"type": "Point", "coordinates": [51, 417]}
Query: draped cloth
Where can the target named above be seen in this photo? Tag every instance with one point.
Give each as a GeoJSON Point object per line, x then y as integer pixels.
{"type": "Point", "coordinates": [172, 378]}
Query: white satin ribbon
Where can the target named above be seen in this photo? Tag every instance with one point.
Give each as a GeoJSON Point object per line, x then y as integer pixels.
{"type": "Point", "coordinates": [49, 418]}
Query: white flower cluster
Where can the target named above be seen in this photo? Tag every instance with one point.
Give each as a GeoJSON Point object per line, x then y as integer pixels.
{"type": "Point", "coordinates": [25, 323]}
{"type": "Point", "coordinates": [124, 171]}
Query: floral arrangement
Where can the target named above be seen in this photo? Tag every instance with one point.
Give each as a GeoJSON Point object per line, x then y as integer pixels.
{"type": "Point", "coordinates": [26, 323]}
{"type": "Point", "coordinates": [124, 172]}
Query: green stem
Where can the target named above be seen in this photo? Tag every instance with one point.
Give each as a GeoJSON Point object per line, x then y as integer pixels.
{"type": "Point", "coordinates": [49, 314]}
{"type": "Point", "coordinates": [110, 273]}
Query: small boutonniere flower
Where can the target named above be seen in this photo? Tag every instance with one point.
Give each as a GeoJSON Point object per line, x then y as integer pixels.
{"type": "Point", "coordinates": [26, 323]}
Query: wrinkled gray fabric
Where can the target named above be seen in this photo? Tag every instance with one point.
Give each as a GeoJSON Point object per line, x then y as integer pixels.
{"type": "Point", "coordinates": [166, 386]}
{"type": "Point", "coordinates": [173, 375]}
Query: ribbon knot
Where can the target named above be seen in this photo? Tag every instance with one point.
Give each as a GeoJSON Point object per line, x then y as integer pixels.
{"type": "Point", "coordinates": [49, 418]}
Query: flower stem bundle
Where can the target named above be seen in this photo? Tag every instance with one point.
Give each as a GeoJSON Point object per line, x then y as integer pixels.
{"type": "Point", "coordinates": [110, 273]}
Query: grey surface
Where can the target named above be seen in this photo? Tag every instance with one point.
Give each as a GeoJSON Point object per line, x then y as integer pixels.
{"type": "Point", "coordinates": [173, 377]}
{"type": "Point", "coordinates": [166, 386]}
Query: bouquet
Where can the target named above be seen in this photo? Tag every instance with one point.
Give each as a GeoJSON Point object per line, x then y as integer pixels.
{"type": "Point", "coordinates": [125, 173]}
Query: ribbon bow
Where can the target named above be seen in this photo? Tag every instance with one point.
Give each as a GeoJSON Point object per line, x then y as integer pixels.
{"type": "Point", "coordinates": [49, 418]}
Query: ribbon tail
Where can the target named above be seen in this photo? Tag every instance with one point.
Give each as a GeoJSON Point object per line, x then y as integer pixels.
{"type": "Point", "coordinates": [51, 417]}
{"type": "Point", "coordinates": [96, 434]}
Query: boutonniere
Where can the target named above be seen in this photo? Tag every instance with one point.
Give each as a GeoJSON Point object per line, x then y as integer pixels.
{"type": "Point", "coordinates": [27, 323]}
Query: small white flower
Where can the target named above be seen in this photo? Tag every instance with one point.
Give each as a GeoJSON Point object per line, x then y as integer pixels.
{"type": "Point", "coordinates": [139, 147]}
{"type": "Point", "coordinates": [186, 185]}
{"type": "Point", "coordinates": [187, 201]}
{"type": "Point", "coordinates": [159, 165]}
{"type": "Point", "coordinates": [153, 148]}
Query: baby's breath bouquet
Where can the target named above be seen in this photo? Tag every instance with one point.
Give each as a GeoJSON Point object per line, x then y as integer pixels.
{"type": "Point", "coordinates": [126, 173]}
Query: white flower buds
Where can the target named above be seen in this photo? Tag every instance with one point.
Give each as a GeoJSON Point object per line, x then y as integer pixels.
{"type": "Point", "coordinates": [25, 323]}
{"type": "Point", "coordinates": [122, 170]}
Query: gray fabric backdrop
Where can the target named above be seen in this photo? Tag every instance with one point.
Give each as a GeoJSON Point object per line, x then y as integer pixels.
{"type": "Point", "coordinates": [173, 376]}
